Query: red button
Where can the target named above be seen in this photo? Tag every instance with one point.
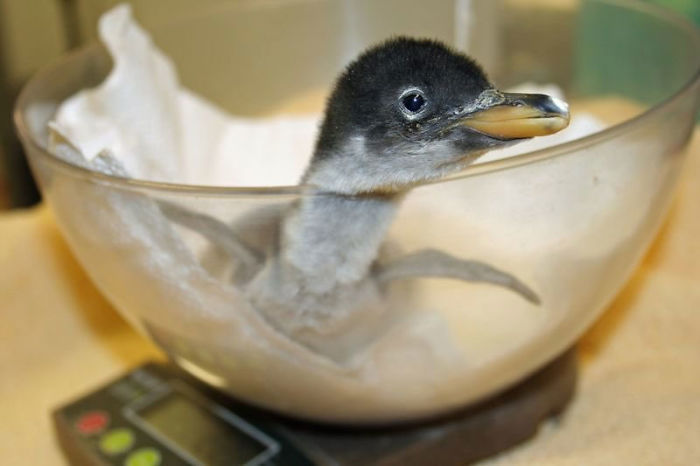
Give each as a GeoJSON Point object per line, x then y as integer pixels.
{"type": "Point", "coordinates": [92, 422]}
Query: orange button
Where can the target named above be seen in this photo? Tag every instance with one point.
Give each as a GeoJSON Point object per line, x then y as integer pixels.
{"type": "Point", "coordinates": [92, 423]}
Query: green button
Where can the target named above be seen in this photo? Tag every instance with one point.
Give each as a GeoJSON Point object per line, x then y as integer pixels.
{"type": "Point", "coordinates": [116, 441]}
{"type": "Point", "coordinates": [143, 457]}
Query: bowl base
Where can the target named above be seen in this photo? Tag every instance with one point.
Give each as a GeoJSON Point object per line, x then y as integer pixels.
{"type": "Point", "coordinates": [458, 438]}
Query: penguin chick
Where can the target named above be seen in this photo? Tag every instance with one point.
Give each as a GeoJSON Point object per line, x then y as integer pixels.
{"type": "Point", "coordinates": [405, 112]}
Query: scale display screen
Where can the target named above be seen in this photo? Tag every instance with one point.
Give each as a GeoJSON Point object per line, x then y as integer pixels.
{"type": "Point", "coordinates": [200, 433]}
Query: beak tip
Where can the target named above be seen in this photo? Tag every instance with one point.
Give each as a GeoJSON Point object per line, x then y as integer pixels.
{"type": "Point", "coordinates": [561, 107]}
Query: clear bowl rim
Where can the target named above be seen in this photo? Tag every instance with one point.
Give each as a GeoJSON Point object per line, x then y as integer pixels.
{"type": "Point", "coordinates": [135, 184]}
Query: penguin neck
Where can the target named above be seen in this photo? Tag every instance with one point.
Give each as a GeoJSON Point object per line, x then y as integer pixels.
{"type": "Point", "coordinates": [333, 239]}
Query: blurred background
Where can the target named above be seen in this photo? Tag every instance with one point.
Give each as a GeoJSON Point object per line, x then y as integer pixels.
{"type": "Point", "coordinates": [35, 32]}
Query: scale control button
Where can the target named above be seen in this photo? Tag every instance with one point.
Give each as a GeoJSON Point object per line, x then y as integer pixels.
{"type": "Point", "coordinates": [146, 379]}
{"type": "Point", "coordinates": [147, 456]}
{"type": "Point", "coordinates": [125, 391]}
{"type": "Point", "coordinates": [116, 441]}
{"type": "Point", "coordinates": [92, 422]}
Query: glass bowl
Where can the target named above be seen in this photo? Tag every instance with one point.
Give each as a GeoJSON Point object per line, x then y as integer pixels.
{"type": "Point", "coordinates": [571, 221]}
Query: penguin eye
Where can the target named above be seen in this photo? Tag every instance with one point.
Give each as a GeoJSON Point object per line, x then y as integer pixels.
{"type": "Point", "coordinates": [413, 101]}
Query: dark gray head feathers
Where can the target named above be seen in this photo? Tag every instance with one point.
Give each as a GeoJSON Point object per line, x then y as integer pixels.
{"type": "Point", "coordinates": [366, 97]}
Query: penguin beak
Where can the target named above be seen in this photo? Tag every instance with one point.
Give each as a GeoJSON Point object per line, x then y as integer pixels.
{"type": "Point", "coordinates": [509, 116]}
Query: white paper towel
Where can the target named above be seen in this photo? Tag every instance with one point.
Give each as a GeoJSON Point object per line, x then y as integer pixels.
{"type": "Point", "coordinates": [160, 131]}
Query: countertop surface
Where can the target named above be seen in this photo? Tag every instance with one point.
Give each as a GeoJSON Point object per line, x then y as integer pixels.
{"type": "Point", "coordinates": [639, 393]}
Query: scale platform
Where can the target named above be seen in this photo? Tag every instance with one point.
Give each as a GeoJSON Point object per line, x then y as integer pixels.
{"type": "Point", "coordinates": [157, 415]}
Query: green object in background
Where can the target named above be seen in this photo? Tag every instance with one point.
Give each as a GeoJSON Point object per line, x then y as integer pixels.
{"type": "Point", "coordinates": [688, 8]}
{"type": "Point", "coordinates": [646, 43]}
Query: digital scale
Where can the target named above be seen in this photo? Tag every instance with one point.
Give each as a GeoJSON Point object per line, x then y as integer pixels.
{"type": "Point", "coordinates": [157, 415]}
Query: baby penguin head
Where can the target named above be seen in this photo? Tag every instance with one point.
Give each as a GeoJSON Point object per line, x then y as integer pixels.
{"type": "Point", "coordinates": [410, 110]}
